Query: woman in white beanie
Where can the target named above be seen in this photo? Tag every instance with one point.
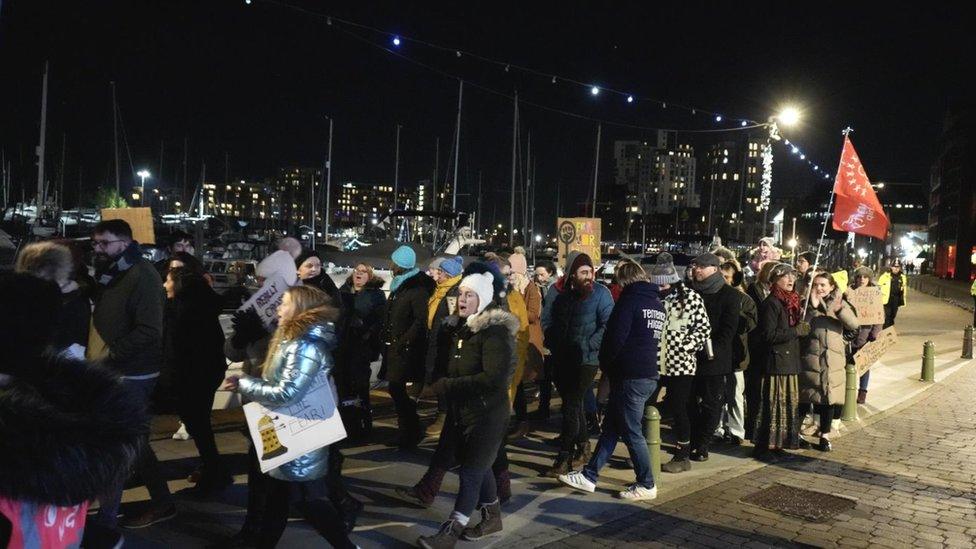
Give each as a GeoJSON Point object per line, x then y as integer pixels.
{"type": "Point", "coordinates": [476, 389]}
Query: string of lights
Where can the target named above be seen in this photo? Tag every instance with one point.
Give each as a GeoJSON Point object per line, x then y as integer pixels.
{"type": "Point", "coordinates": [394, 44]}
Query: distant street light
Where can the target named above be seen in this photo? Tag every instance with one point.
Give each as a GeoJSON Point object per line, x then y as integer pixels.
{"type": "Point", "coordinates": [143, 175]}
{"type": "Point", "coordinates": [788, 116]}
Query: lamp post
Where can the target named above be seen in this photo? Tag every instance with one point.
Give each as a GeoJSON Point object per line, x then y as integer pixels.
{"type": "Point", "coordinates": [143, 176]}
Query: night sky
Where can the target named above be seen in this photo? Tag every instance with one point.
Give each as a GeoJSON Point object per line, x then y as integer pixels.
{"type": "Point", "coordinates": [256, 81]}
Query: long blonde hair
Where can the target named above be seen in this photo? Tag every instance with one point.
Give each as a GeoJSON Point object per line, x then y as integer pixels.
{"type": "Point", "coordinates": [312, 306]}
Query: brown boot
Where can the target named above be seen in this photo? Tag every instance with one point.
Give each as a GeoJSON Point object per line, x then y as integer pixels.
{"type": "Point", "coordinates": [582, 456]}
{"type": "Point", "coordinates": [559, 467]}
{"type": "Point", "coordinates": [862, 396]}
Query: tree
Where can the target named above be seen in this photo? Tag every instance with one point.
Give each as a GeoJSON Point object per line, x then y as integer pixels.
{"type": "Point", "coordinates": [109, 198]}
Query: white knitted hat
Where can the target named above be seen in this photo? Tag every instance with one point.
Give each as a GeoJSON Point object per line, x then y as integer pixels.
{"type": "Point", "coordinates": [481, 283]}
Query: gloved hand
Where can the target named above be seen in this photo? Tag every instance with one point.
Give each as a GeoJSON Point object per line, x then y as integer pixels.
{"type": "Point", "coordinates": [802, 329]}
{"type": "Point", "coordinates": [248, 328]}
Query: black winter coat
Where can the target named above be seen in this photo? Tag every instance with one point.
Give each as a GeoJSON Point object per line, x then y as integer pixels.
{"type": "Point", "coordinates": [723, 308]}
{"type": "Point", "coordinates": [361, 342]}
{"type": "Point", "coordinates": [194, 340]}
{"type": "Point", "coordinates": [481, 366]}
{"type": "Point", "coordinates": [405, 330]}
{"type": "Point", "coordinates": [781, 345]}
{"type": "Point", "coordinates": [435, 364]}
{"type": "Point", "coordinates": [74, 320]}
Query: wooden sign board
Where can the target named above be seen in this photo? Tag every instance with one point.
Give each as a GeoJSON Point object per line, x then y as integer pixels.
{"type": "Point", "coordinates": [580, 234]}
{"type": "Point", "coordinates": [140, 219]}
{"type": "Point", "coordinates": [874, 350]}
{"type": "Point", "coordinates": [867, 302]}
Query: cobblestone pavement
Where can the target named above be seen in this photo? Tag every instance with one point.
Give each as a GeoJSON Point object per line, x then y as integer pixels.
{"type": "Point", "coordinates": [912, 474]}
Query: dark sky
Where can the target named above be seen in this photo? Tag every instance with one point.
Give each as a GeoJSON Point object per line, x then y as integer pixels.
{"type": "Point", "coordinates": [255, 81]}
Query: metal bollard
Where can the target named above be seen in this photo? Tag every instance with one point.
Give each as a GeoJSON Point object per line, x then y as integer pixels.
{"type": "Point", "coordinates": [849, 412]}
{"type": "Point", "coordinates": [928, 362]}
{"type": "Point", "coordinates": [652, 433]}
{"type": "Point", "coordinates": [967, 342]}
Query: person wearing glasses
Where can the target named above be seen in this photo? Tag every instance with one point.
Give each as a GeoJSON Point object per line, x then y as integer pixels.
{"type": "Point", "coordinates": [126, 336]}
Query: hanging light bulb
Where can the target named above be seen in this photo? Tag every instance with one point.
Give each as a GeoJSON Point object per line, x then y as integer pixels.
{"type": "Point", "coordinates": [786, 141]}
{"type": "Point", "coordinates": [553, 79]}
{"type": "Point", "coordinates": [630, 98]}
{"type": "Point", "coordinates": [743, 123]}
{"type": "Point", "coordinates": [795, 150]}
{"type": "Point", "coordinates": [803, 157]}
{"type": "Point", "coordinates": [396, 41]}
{"type": "Point", "coordinates": [718, 118]}
{"type": "Point", "coordinates": [594, 91]}
{"type": "Point", "coordinates": [506, 68]}
{"type": "Point", "coordinates": [694, 111]}
{"type": "Point", "coordinates": [458, 53]}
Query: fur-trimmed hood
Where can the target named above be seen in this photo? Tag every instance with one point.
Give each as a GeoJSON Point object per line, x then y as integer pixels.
{"type": "Point", "coordinates": [69, 430]}
{"type": "Point", "coordinates": [493, 316]}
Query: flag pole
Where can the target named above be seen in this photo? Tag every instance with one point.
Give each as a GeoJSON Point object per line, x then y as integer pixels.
{"type": "Point", "coordinates": [823, 232]}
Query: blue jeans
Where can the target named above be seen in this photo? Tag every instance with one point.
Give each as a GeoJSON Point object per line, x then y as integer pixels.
{"type": "Point", "coordinates": [625, 409]}
{"type": "Point", "coordinates": [146, 465]}
{"type": "Point", "coordinates": [863, 383]}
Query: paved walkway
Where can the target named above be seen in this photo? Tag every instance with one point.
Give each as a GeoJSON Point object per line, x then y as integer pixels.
{"type": "Point", "coordinates": [542, 512]}
{"type": "Point", "coordinates": [912, 475]}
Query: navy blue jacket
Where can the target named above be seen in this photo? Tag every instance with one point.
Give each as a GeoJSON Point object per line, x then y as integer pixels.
{"type": "Point", "coordinates": [633, 334]}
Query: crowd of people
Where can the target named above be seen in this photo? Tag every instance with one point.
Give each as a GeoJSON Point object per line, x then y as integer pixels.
{"type": "Point", "coordinates": [728, 353]}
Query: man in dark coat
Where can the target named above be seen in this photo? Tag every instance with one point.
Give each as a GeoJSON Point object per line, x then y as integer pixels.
{"type": "Point", "coordinates": [405, 336]}
{"type": "Point", "coordinates": [723, 305]}
{"type": "Point", "coordinates": [127, 336]}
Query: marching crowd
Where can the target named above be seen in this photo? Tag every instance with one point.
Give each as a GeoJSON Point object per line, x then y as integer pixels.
{"type": "Point", "coordinates": [728, 351]}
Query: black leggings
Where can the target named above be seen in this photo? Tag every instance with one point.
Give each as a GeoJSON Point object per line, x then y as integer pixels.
{"type": "Point", "coordinates": [194, 411]}
{"type": "Point", "coordinates": [521, 404]}
{"type": "Point", "coordinates": [572, 382]}
{"type": "Point", "coordinates": [320, 513]}
{"type": "Point", "coordinates": [406, 407]}
{"type": "Point", "coordinates": [680, 404]}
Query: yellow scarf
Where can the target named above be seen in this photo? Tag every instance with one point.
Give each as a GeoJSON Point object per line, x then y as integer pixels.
{"type": "Point", "coordinates": [443, 287]}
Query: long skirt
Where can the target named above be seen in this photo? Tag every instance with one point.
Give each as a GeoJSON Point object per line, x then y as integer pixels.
{"type": "Point", "coordinates": [777, 425]}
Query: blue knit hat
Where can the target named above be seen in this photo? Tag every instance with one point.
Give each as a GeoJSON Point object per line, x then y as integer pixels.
{"type": "Point", "coordinates": [452, 265]}
{"type": "Point", "coordinates": [405, 257]}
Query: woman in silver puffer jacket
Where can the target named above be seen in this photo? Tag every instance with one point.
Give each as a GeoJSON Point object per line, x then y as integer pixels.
{"type": "Point", "coordinates": [300, 353]}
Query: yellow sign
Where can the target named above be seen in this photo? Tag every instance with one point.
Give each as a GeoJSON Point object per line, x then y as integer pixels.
{"type": "Point", "coordinates": [580, 234]}
{"type": "Point", "coordinates": [140, 219]}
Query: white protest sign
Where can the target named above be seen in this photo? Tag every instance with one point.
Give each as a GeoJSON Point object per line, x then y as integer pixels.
{"type": "Point", "coordinates": [284, 433]}
{"type": "Point", "coordinates": [266, 300]}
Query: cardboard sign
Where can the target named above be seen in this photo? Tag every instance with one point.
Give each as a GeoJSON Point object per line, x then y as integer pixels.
{"type": "Point", "coordinates": [580, 234]}
{"type": "Point", "coordinates": [287, 432]}
{"type": "Point", "coordinates": [140, 219]}
{"type": "Point", "coordinates": [266, 300]}
{"type": "Point", "coordinates": [874, 350]}
{"type": "Point", "coordinates": [867, 302]}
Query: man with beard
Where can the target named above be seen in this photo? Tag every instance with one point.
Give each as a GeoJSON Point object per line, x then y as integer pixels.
{"type": "Point", "coordinates": [126, 336]}
{"type": "Point", "coordinates": [574, 318]}
{"type": "Point", "coordinates": [715, 363]}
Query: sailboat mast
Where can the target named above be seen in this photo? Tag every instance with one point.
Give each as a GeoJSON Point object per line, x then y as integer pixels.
{"type": "Point", "coordinates": [511, 225]}
{"type": "Point", "coordinates": [40, 147]}
{"type": "Point", "coordinates": [115, 138]}
{"type": "Point", "coordinates": [457, 148]}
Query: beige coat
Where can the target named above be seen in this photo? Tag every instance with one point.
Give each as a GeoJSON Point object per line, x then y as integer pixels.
{"type": "Point", "coordinates": [823, 352]}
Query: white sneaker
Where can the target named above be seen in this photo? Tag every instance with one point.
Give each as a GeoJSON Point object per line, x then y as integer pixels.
{"type": "Point", "coordinates": [181, 433]}
{"type": "Point", "coordinates": [576, 480]}
{"type": "Point", "coordinates": [636, 492]}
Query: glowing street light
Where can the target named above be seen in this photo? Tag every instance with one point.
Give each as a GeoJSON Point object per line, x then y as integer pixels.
{"type": "Point", "coordinates": [789, 116]}
{"type": "Point", "coordinates": [143, 176]}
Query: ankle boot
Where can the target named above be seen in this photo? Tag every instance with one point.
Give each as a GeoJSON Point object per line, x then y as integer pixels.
{"type": "Point", "coordinates": [445, 538]}
{"type": "Point", "coordinates": [582, 455]}
{"type": "Point", "coordinates": [862, 396]}
{"type": "Point", "coordinates": [491, 523]}
{"type": "Point", "coordinates": [680, 462]}
{"type": "Point", "coordinates": [560, 466]}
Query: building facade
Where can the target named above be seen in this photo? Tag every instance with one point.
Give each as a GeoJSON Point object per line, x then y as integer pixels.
{"type": "Point", "coordinates": [731, 180]}
{"type": "Point", "coordinates": [952, 197]}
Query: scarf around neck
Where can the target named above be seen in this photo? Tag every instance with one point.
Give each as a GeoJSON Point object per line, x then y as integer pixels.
{"type": "Point", "coordinates": [710, 285]}
{"type": "Point", "coordinates": [401, 278]}
{"type": "Point", "coordinates": [123, 263]}
{"type": "Point", "coordinates": [790, 300]}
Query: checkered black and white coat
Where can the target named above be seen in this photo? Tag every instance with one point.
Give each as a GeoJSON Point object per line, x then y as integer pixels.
{"type": "Point", "coordinates": [686, 330]}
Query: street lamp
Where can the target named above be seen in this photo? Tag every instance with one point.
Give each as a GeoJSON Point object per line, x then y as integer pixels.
{"type": "Point", "coordinates": [143, 175]}
{"type": "Point", "coordinates": [788, 116]}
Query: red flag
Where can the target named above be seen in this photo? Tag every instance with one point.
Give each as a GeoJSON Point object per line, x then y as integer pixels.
{"type": "Point", "coordinates": [856, 206]}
